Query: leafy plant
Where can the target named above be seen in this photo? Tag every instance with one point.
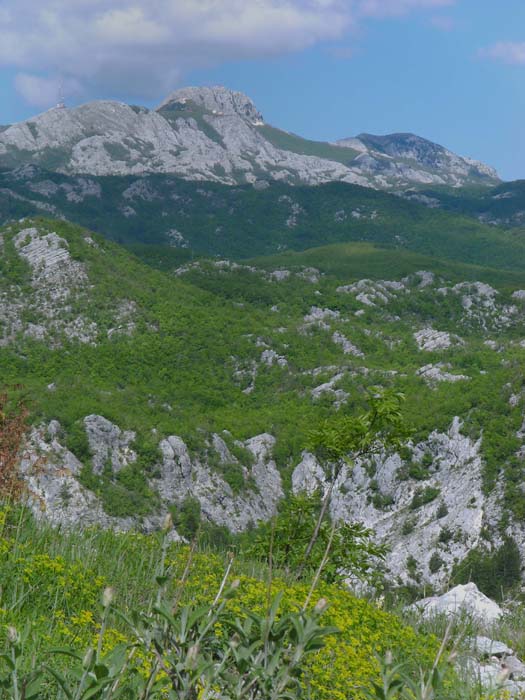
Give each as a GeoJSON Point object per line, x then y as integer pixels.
{"type": "Point", "coordinates": [349, 547]}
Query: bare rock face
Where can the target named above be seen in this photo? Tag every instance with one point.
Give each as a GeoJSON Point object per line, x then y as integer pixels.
{"type": "Point", "coordinates": [403, 156]}
{"type": "Point", "coordinates": [348, 347]}
{"type": "Point", "coordinates": [212, 133]}
{"type": "Point", "coordinates": [59, 300]}
{"type": "Point", "coordinates": [53, 491]}
{"type": "Point", "coordinates": [183, 476]}
{"type": "Point", "coordinates": [429, 508]}
{"type": "Point", "coordinates": [435, 374]}
{"type": "Point", "coordinates": [218, 101]}
{"type": "Point", "coordinates": [432, 521]}
{"type": "Point", "coordinates": [109, 445]}
{"type": "Point", "coordinates": [56, 281]}
{"type": "Point", "coordinates": [430, 340]}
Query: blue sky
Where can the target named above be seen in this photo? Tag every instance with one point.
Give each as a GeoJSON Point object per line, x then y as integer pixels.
{"type": "Point", "coordinates": [450, 70]}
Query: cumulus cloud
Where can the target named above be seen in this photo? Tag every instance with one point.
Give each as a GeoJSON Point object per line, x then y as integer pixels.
{"type": "Point", "coordinates": [142, 48]}
{"type": "Point", "coordinates": [511, 52]}
{"type": "Point", "coordinates": [393, 8]}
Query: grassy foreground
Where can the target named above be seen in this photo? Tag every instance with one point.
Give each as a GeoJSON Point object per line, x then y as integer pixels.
{"type": "Point", "coordinates": [100, 614]}
{"type": "Point", "coordinates": [52, 584]}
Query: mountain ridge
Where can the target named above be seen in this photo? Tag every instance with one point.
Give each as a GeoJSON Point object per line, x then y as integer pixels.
{"type": "Point", "coordinates": [213, 133]}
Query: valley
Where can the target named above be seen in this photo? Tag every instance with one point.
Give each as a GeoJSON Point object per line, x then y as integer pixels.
{"type": "Point", "coordinates": [187, 295]}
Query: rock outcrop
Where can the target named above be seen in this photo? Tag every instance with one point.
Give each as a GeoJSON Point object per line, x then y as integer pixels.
{"type": "Point", "coordinates": [54, 488]}
{"type": "Point", "coordinates": [464, 600]}
{"type": "Point", "coordinates": [430, 508]}
{"type": "Point", "coordinates": [183, 476]}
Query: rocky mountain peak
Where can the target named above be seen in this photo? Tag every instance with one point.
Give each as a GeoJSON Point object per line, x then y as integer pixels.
{"type": "Point", "coordinates": [217, 134]}
{"type": "Point", "coordinates": [421, 151]}
{"type": "Point", "coordinates": [218, 101]}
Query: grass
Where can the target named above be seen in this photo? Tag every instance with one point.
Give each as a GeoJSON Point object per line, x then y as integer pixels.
{"type": "Point", "coordinates": [52, 580]}
{"type": "Point", "coordinates": [355, 261]}
{"type": "Point", "coordinates": [287, 141]}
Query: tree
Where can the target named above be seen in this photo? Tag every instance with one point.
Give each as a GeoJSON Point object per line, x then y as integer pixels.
{"type": "Point", "coordinates": [351, 546]}
{"type": "Point", "coordinates": [340, 440]}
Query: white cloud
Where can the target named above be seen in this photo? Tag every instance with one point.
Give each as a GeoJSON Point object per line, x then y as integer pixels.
{"type": "Point", "coordinates": [37, 90]}
{"type": "Point", "coordinates": [141, 49]}
{"type": "Point", "coordinates": [393, 8]}
{"type": "Point", "coordinates": [511, 52]}
{"type": "Point", "coordinates": [42, 91]}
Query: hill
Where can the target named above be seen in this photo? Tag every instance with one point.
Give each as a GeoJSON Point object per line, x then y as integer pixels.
{"type": "Point", "coordinates": [503, 205]}
{"type": "Point", "coordinates": [186, 219]}
{"type": "Point", "coordinates": [152, 391]}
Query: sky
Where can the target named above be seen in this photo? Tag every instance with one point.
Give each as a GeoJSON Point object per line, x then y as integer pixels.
{"type": "Point", "coordinates": [452, 71]}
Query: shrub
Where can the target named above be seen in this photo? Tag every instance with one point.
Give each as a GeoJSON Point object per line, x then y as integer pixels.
{"type": "Point", "coordinates": [287, 537]}
{"type": "Point", "coordinates": [493, 573]}
{"type": "Point", "coordinates": [422, 497]}
{"type": "Point", "coordinates": [435, 563]}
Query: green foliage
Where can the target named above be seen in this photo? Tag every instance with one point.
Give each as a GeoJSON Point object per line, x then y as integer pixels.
{"type": "Point", "coordinates": [435, 563]}
{"type": "Point", "coordinates": [77, 442]}
{"type": "Point", "coordinates": [126, 493]}
{"type": "Point", "coordinates": [398, 683]}
{"type": "Point", "coordinates": [494, 573]}
{"type": "Point", "coordinates": [424, 496]}
{"type": "Point", "coordinates": [502, 204]}
{"type": "Point", "coordinates": [187, 517]}
{"type": "Point", "coordinates": [172, 619]}
{"type": "Point", "coordinates": [291, 142]}
{"type": "Point", "coordinates": [285, 539]}
{"type": "Point", "coordinates": [348, 437]}
{"type": "Point", "coordinates": [445, 535]}
{"type": "Point", "coordinates": [442, 510]}
{"type": "Point", "coordinates": [242, 222]}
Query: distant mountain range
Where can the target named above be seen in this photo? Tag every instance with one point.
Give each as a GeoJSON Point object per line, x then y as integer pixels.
{"type": "Point", "coordinates": [215, 134]}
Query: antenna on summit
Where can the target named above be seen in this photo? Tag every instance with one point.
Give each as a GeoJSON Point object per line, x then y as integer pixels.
{"type": "Point", "coordinates": [61, 104]}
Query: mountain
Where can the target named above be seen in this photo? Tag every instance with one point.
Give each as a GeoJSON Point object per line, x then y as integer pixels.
{"type": "Point", "coordinates": [152, 391]}
{"type": "Point", "coordinates": [219, 135]}
{"type": "Point", "coordinates": [404, 157]}
{"type": "Point", "coordinates": [167, 219]}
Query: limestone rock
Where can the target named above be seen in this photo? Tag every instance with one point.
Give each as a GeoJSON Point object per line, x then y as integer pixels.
{"type": "Point", "coordinates": [348, 347]}
{"type": "Point", "coordinates": [109, 445]}
{"type": "Point", "coordinates": [484, 646]}
{"type": "Point", "coordinates": [435, 374]}
{"type": "Point", "coordinates": [212, 133]}
{"type": "Point", "coordinates": [431, 340]}
{"type": "Point", "coordinates": [183, 475]}
{"type": "Point", "coordinates": [461, 599]}
{"type": "Point", "coordinates": [440, 513]}
{"type": "Point", "coordinates": [53, 490]}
